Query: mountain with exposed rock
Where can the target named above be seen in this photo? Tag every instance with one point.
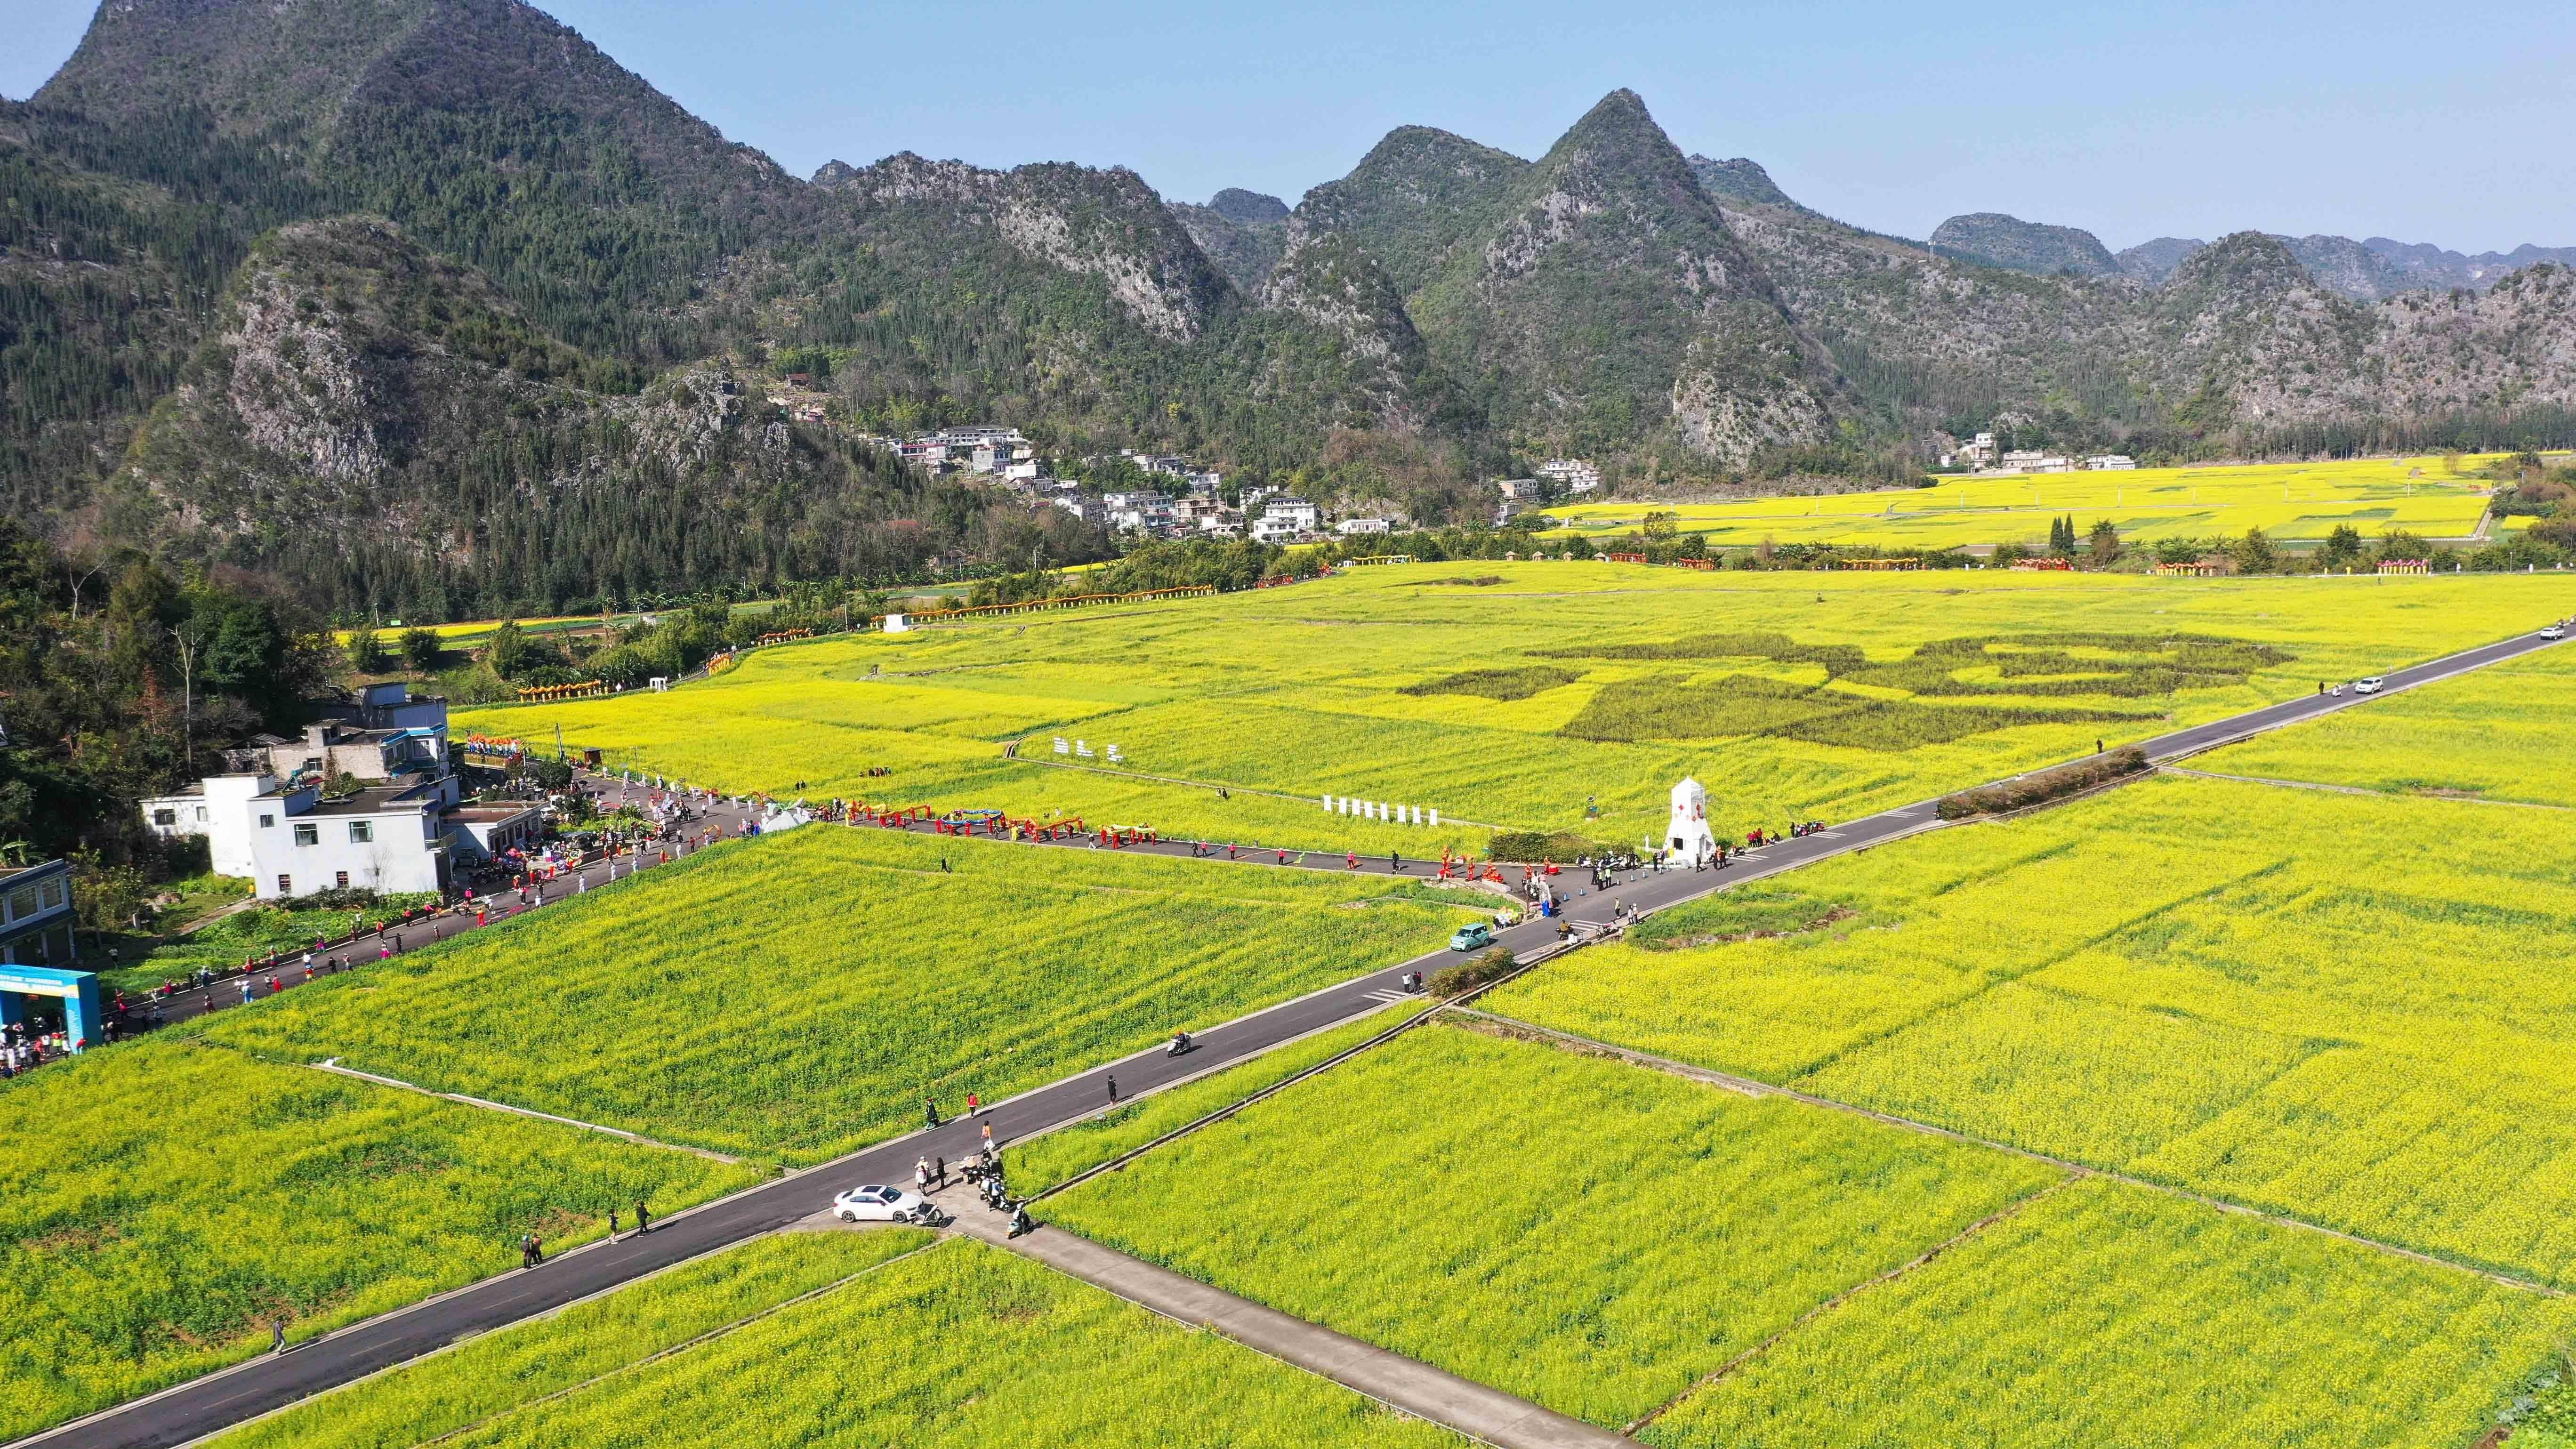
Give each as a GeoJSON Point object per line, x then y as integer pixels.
{"type": "Point", "coordinates": [421, 301]}
{"type": "Point", "coordinates": [2023, 246]}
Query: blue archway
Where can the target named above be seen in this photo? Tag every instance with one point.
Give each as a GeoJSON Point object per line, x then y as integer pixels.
{"type": "Point", "coordinates": [77, 989]}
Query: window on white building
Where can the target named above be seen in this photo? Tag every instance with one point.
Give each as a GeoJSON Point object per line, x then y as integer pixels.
{"type": "Point", "coordinates": [286, 885]}
{"type": "Point", "coordinates": [201, 814]}
{"type": "Point", "coordinates": [361, 831]}
{"type": "Point", "coordinates": [308, 834]}
{"type": "Point", "coordinates": [268, 822]}
{"type": "Point", "coordinates": [165, 817]}
{"type": "Point", "coordinates": [342, 877]}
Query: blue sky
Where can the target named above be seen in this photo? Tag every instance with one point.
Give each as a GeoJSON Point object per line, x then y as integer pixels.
{"type": "Point", "coordinates": [2360, 117]}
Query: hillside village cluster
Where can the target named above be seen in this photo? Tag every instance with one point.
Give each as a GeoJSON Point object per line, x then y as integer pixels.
{"type": "Point", "coordinates": [1194, 505]}
{"type": "Point", "coordinates": [1985, 458]}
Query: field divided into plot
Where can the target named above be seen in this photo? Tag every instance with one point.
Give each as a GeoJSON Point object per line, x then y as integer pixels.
{"type": "Point", "coordinates": [1788, 695]}
{"type": "Point", "coordinates": [2346, 1009]}
{"type": "Point", "coordinates": [796, 997]}
{"type": "Point", "coordinates": [2114, 1317]}
{"type": "Point", "coordinates": [1568, 1229]}
{"type": "Point", "coordinates": [163, 1203]}
{"type": "Point", "coordinates": [2501, 733]}
{"type": "Point", "coordinates": [957, 1345]}
{"type": "Point", "coordinates": [2299, 502]}
{"type": "Point", "coordinates": [1614, 1243]}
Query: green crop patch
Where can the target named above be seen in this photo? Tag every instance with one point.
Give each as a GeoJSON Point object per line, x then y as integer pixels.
{"type": "Point", "coordinates": [1741, 704]}
{"type": "Point", "coordinates": [1506, 684]}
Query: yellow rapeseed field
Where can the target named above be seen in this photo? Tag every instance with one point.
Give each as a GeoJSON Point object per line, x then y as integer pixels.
{"type": "Point", "coordinates": [2502, 733]}
{"type": "Point", "coordinates": [2349, 1009]}
{"type": "Point", "coordinates": [2292, 501]}
{"type": "Point", "coordinates": [1526, 694]}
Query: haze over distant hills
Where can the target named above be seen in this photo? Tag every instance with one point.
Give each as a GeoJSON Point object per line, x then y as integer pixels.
{"type": "Point", "coordinates": [429, 300]}
{"type": "Point", "coordinates": [2363, 270]}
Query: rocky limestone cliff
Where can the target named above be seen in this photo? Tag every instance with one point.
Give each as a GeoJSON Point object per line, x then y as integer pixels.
{"type": "Point", "coordinates": [1605, 301]}
{"type": "Point", "coordinates": [1740, 179]}
{"type": "Point", "coordinates": [1104, 224]}
{"type": "Point", "coordinates": [1414, 197]}
{"type": "Point", "coordinates": [365, 416]}
{"type": "Point", "coordinates": [2023, 246]}
{"type": "Point", "coordinates": [1244, 251]}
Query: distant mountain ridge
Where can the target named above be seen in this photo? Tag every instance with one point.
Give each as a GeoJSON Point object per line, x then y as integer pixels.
{"type": "Point", "coordinates": [399, 299]}
{"type": "Point", "coordinates": [2362, 270]}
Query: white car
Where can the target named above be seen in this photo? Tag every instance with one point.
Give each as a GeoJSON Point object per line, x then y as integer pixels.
{"type": "Point", "coordinates": [2372, 685]}
{"type": "Point", "coordinates": [874, 1204]}
{"type": "Point", "coordinates": [2554, 631]}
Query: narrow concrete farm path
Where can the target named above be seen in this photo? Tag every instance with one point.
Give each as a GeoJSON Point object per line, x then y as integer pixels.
{"type": "Point", "coordinates": [1417, 1388]}
{"type": "Point", "coordinates": [200, 1406]}
{"type": "Point", "coordinates": [2366, 790]}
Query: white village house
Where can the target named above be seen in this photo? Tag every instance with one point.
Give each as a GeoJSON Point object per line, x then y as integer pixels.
{"type": "Point", "coordinates": [406, 834]}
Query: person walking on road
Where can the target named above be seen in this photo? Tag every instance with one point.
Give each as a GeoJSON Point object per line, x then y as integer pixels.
{"type": "Point", "coordinates": [642, 1222]}
{"type": "Point", "coordinates": [929, 1112]}
{"type": "Point", "coordinates": [277, 1336]}
{"type": "Point", "coordinates": [1113, 1091]}
{"type": "Point", "coordinates": [988, 1139]}
{"type": "Point", "coordinates": [528, 1250]}
{"type": "Point", "coordinates": [247, 984]}
{"type": "Point", "coordinates": [974, 1105]}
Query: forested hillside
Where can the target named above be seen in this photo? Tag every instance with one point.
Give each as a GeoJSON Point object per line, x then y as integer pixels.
{"type": "Point", "coordinates": [428, 305]}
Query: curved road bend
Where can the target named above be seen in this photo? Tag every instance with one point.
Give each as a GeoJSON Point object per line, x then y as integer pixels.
{"type": "Point", "coordinates": [203, 1405]}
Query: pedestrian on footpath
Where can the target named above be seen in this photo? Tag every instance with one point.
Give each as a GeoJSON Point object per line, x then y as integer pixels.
{"type": "Point", "coordinates": [921, 1177]}
{"type": "Point", "coordinates": [974, 1105]}
{"type": "Point", "coordinates": [929, 1112]}
{"type": "Point", "coordinates": [939, 1170]}
{"type": "Point", "coordinates": [612, 1225]}
{"type": "Point", "coordinates": [277, 1336]}
{"type": "Point", "coordinates": [643, 1223]}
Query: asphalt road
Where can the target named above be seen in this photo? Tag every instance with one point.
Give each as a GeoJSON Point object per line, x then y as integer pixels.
{"type": "Point", "coordinates": [227, 1397]}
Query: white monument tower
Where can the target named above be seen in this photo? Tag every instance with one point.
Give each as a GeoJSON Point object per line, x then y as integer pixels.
{"type": "Point", "coordinates": [1688, 835]}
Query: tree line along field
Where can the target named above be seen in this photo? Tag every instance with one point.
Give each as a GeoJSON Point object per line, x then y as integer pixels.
{"type": "Point", "coordinates": [1617, 1243]}
{"type": "Point", "coordinates": [2500, 733]}
{"type": "Point", "coordinates": [958, 1344]}
{"type": "Point", "coordinates": [2289, 501]}
{"type": "Point", "coordinates": [1518, 694]}
{"type": "Point", "coordinates": [798, 996]}
{"type": "Point", "coordinates": [2347, 1009]}
{"type": "Point", "coordinates": [164, 1202]}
